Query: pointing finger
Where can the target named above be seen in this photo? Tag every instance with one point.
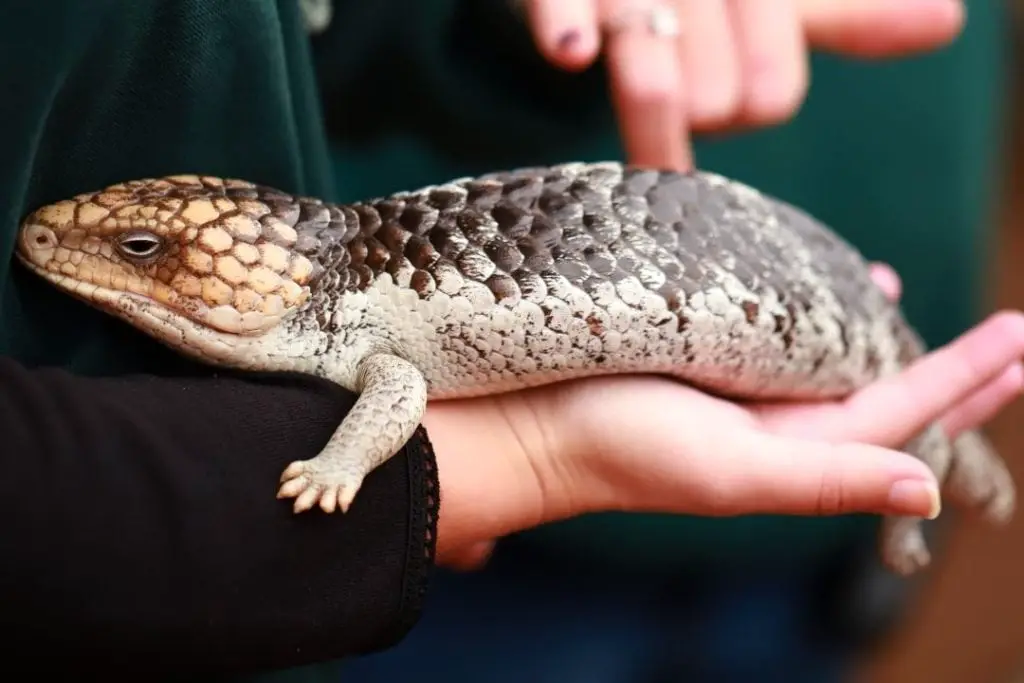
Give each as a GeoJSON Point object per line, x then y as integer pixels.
{"type": "Point", "coordinates": [934, 384]}
{"type": "Point", "coordinates": [647, 90]}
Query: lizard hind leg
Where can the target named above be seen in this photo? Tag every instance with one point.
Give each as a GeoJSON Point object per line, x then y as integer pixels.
{"type": "Point", "coordinates": [392, 399]}
{"type": "Point", "coordinates": [903, 546]}
{"type": "Point", "coordinates": [978, 479]}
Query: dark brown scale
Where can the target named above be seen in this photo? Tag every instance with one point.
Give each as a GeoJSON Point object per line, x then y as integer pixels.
{"type": "Point", "coordinates": [418, 219]}
{"type": "Point", "coordinates": [513, 221]}
{"type": "Point", "coordinates": [393, 236]}
{"type": "Point", "coordinates": [445, 199]}
{"type": "Point", "coordinates": [422, 283]}
{"type": "Point", "coordinates": [483, 194]}
{"type": "Point", "coordinates": [523, 189]}
{"type": "Point", "coordinates": [420, 252]}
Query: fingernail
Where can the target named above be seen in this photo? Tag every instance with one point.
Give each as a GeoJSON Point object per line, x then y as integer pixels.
{"type": "Point", "coordinates": [568, 40]}
{"type": "Point", "coordinates": [909, 496]}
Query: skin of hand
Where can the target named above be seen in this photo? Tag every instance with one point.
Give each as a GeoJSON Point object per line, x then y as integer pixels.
{"type": "Point", "coordinates": [648, 444]}
{"type": "Point", "coordinates": [736, 64]}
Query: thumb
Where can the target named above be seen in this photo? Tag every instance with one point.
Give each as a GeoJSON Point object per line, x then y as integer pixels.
{"type": "Point", "coordinates": [759, 473]}
{"type": "Point", "coordinates": [881, 28]}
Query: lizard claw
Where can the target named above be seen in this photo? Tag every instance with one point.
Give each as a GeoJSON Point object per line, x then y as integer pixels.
{"type": "Point", "coordinates": [308, 488]}
{"type": "Point", "coordinates": [293, 471]}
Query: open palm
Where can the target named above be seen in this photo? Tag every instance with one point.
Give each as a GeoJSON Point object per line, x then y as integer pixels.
{"type": "Point", "coordinates": [655, 444]}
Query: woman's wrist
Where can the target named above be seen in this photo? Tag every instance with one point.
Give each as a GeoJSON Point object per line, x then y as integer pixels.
{"type": "Point", "coordinates": [501, 468]}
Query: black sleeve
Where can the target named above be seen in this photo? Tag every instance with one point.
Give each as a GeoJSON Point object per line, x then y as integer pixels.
{"type": "Point", "coordinates": [141, 533]}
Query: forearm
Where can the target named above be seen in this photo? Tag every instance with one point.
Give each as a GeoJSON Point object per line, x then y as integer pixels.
{"type": "Point", "coordinates": [141, 529]}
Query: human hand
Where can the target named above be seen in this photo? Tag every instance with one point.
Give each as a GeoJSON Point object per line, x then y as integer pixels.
{"type": "Point", "coordinates": [647, 444]}
{"type": "Point", "coordinates": [735, 63]}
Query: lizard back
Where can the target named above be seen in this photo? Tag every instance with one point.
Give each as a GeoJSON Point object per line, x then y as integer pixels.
{"type": "Point", "coordinates": [489, 284]}
{"type": "Point", "coordinates": [540, 274]}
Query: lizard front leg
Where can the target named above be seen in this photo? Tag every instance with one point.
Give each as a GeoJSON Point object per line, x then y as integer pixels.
{"type": "Point", "coordinates": [392, 398]}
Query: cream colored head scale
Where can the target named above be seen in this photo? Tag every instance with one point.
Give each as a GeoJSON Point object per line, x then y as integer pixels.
{"type": "Point", "coordinates": [187, 257]}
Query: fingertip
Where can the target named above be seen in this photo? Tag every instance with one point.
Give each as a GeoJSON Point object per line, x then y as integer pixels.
{"type": "Point", "coordinates": [775, 93]}
{"type": "Point", "coordinates": [566, 32]}
{"type": "Point", "coordinates": [948, 17]}
{"type": "Point", "coordinates": [888, 280]}
{"type": "Point", "coordinates": [774, 61]}
{"type": "Point", "coordinates": [1015, 377]}
{"type": "Point", "coordinates": [887, 482]}
{"type": "Point", "coordinates": [797, 476]}
{"type": "Point", "coordinates": [1011, 382]}
{"type": "Point", "coordinates": [1008, 321]}
{"type": "Point", "coordinates": [915, 498]}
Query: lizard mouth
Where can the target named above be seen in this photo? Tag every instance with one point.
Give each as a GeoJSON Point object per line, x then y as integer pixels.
{"type": "Point", "coordinates": [152, 317]}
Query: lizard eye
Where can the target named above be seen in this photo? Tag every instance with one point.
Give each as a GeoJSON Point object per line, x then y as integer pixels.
{"type": "Point", "coordinates": [139, 246]}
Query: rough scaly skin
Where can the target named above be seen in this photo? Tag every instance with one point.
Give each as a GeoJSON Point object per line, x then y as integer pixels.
{"type": "Point", "coordinates": [492, 284]}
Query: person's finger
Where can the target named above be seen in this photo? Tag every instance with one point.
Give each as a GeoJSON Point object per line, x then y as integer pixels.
{"type": "Point", "coordinates": [711, 64]}
{"type": "Point", "coordinates": [986, 402]}
{"type": "Point", "coordinates": [565, 31]}
{"type": "Point", "coordinates": [880, 28]}
{"type": "Point", "coordinates": [647, 88]}
{"type": "Point", "coordinates": [758, 473]}
{"type": "Point", "coordinates": [773, 59]}
{"type": "Point", "coordinates": [934, 384]}
{"type": "Point", "coordinates": [888, 280]}
{"type": "Point", "coordinates": [892, 410]}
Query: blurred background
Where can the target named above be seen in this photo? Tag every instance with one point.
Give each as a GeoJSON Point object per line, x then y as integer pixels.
{"type": "Point", "coordinates": [968, 625]}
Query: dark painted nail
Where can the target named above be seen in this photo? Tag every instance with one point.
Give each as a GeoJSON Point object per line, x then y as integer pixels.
{"type": "Point", "coordinates": [569, 39]}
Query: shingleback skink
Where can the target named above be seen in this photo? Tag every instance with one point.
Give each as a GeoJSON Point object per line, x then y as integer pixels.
{"type": "Point", "coordinates": [491, 284]}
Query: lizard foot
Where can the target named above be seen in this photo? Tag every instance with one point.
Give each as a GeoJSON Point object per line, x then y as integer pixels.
{"type": "Point", "coordinates": [903, 546]}
{"type": "Point", "coordinates": [309, 484]}
{"type": "Point", "coordinates": [979, 480]}
{"type": "Point", "coordinates": [904, 549]}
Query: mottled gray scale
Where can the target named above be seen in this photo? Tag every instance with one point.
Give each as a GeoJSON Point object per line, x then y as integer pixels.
{"type": "Point", "coordinates": [418, 219]}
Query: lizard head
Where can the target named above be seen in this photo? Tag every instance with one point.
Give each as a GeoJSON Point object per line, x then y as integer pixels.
{"type": "Point", "coordinates": [178, 257]}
